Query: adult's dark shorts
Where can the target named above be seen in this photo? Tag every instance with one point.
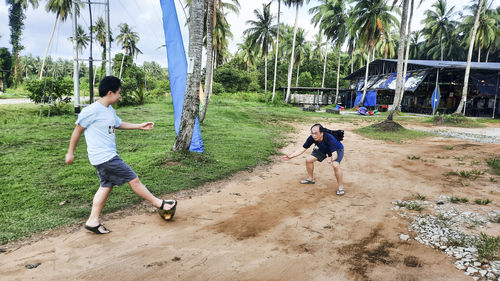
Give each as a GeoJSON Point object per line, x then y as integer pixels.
{"type": "Point", "coordinates": [321, 156]}
{"type": "Point", "coordinates": [114, 172]}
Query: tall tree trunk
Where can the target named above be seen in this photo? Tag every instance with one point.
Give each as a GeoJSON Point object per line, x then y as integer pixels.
{"type": "Point", "coordinates": [297, 79]}
{"type": "Point", "coordinates": [192, 98]}
{"type": "Point", "coordinates": [276, 52]}
{"type": "Point", "coordinates": [338, 78]}
{"type": "Point", "coordinates": [352, 61]}
{"type": "Point", "coordinates": [265, 76]}
{"type": "Point", "coordinates": [366, 80]}
{"type": "Point", "coordinates": [209, 68]}
{"type": "Point", "coordinates": [478, 54]}
{"type": "Point", "coordinates": [16, 18]}
{"type": "Point", "coordinates": [487, 54]}
{"type": "Point", "coordinates": [324, 66]}
{"type": "Point", "coordinates": [404, 38]}
{"type": "Point", "coordinates": [461, 105]}
{"type": "Point", "coordinates": [48, 46]}
{"type": "Point", "coordinates": [121, 65]}
{"type": "Point", "coordinates": [290, 67]}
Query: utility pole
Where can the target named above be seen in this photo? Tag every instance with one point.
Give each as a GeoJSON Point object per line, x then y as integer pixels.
{"type": "Point", "coordinates": [76, 75]}
{"type": "Point", "coordinates": [76, 60]}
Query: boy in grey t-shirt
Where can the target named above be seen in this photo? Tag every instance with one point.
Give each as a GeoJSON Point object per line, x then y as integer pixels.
{"type": "Point", "coordinates": [99, 121]}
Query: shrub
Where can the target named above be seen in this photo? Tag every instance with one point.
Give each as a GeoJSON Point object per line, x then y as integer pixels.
{"type": "Point", "coordinates": [217, 88]}
{"type": "Point", "coordinates": [488, 247]}
{"type": "Point", "coordinates": [494, 164]}
{"type": "Point", "coordinates": [53, 91]}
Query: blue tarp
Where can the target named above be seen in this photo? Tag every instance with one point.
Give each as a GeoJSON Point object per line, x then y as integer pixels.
{"type": "Point", "coordinates": [370, 98]}
{"type": "Point", "coordinates": [177, 69]}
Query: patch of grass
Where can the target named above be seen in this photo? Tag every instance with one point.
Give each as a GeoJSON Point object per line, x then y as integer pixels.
{"type": "Point", "coordinates": [413, 157]}
{"type": "Point", "coordinates": [474, 163]}
{"type": "Point", "coordinates": [449, 147]}
{"type": "Point", "coordinates": [492, 179]}
{"type": "Point", "coordinates": [418, 196]}
{"type": "Point", "coordinates": [237, 135]}
{"type": "Point", "coordinates": [495, 219]}
{"type": "Point", "coordinates": [397, 136]}
{"type": "Point", "coordinates": [471, 174]}
{"type": "Point", "coordinates": [482, 201]}
{"type": "Point", "coordinates": [488, 247]}
{"type": "Point", "coordinates": [494, 164]}
{"type": "Point", "coordinates": [456, 200]}
{"type": "Point", "coordinates": [456, 121]}
{"type": "Point", "coordinates": [451, 173]}
{"type": "Point", "coordinates": [459, 158]}
{"type": "Point", "coordinates": [410, 205]}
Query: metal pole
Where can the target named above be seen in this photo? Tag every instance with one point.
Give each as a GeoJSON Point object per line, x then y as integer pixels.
{"type": "Point", "coordinates": [91, 67]}
{"type": "Point", "coordinates": [108, 42]}
{"type": "Point", "coordinates": [76, 80]}
{"type": "Point", "coordinates": [496, 94]}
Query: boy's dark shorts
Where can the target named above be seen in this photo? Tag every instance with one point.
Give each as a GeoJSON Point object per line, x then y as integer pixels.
{"type": "Point", "coordinates": [114, 172]}
{"type": "Point", "coordinates": [321, 156]}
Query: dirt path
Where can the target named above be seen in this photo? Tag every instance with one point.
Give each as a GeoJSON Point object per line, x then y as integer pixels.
{"type": "Point", "coordinates": [264, 225]}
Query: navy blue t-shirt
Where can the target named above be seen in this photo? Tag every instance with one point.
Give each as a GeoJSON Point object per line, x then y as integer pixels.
{"type": "Point", "coordinates": [328, 145]}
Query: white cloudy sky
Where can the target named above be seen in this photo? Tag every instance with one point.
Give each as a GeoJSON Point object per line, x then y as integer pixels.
{"type": "Point", "coordinates": [145, 17]}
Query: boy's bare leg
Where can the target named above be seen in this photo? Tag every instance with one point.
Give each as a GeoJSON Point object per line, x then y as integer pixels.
{"type": "Point", "coordinates": [143, 192]}
{"type": "Point", "coordinates": [100, 198]}
{"type": "Point", "coordinates": [310, 167]}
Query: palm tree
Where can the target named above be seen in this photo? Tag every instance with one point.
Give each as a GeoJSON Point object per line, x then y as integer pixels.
{"type": "Point", "coordinates": [317, 46]}
{"type": "Point", "coordinates": [82, 39]}
{"type": "Point", "coordinates": [461, 105]}
{"type": "Point", "coordinates": [486, 30]}
{"type": "Point", "coordinates": [16, 23]}
{"type": "Point", "coordinates": [302, 47]}
{"type": "Point", "coordinates": [247, 53]}
{"type": "Point", "coordinates": [62, 9]}
{"type": "Point", "coordinates": [128, 40]}
{"type": "Point", "coordinates": [439, 24]}
{"type": "Point", "coordinates": [289, 3]}
{"type": "Point", "coordinates": [99, 29]}
{"type": "Point", "coordinates": [191, 98]}
{"type": "Point", "coordinates": [261, 33]}
{"type": "Point", "coordinates": [372, 18]}
{"type": "Point", "coordinates": [416, 46]}
{"type": "Point", "coordinates": [386, 46]}
{"type": "Point", "coordinates": [334, 22]}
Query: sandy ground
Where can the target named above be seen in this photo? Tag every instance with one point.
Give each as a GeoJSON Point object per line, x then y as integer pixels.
{"type": "Point", "coordinates": [264, 225]}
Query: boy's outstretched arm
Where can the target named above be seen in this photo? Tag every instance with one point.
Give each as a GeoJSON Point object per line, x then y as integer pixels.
{"type": "Point", "coordinates": [142, 126]}
{"type": "Point", "coordinates": [77, 132]}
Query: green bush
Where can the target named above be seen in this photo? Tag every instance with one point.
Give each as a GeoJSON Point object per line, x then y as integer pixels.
{"type": "Point", "coordinates": [494, 164]}
{"type": "Point", "coordinates": [52, 91]}
{"type": "Point", "coordinates": [217, 88]}
{"type": "Point", "coordinates": [305, 79]}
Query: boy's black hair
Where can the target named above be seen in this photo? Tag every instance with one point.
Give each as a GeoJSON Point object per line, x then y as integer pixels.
{"type": "Point", "coordinates": [109, 83]}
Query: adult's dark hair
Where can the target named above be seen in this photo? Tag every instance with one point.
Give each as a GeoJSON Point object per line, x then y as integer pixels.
{"type": "Point", "coordinates": [321, 128]}
{"type": "Point", "coordinates": [109, 83]}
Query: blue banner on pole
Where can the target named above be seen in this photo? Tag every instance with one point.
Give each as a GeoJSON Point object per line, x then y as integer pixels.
{"type": "Point", "coordinates": [177, 69]}
{"type": "Point", "coordinates": [435, 99]}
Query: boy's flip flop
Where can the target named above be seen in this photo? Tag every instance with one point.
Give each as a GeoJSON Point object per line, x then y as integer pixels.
{"type": "Point", "coordinates": [307, 181]}
{"type": "Point", "coordinates": [340, 192]}
{"type": "Point", "coordinates": [168, 215]}
{"type": "Point", "coordinates": [96, 230]}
